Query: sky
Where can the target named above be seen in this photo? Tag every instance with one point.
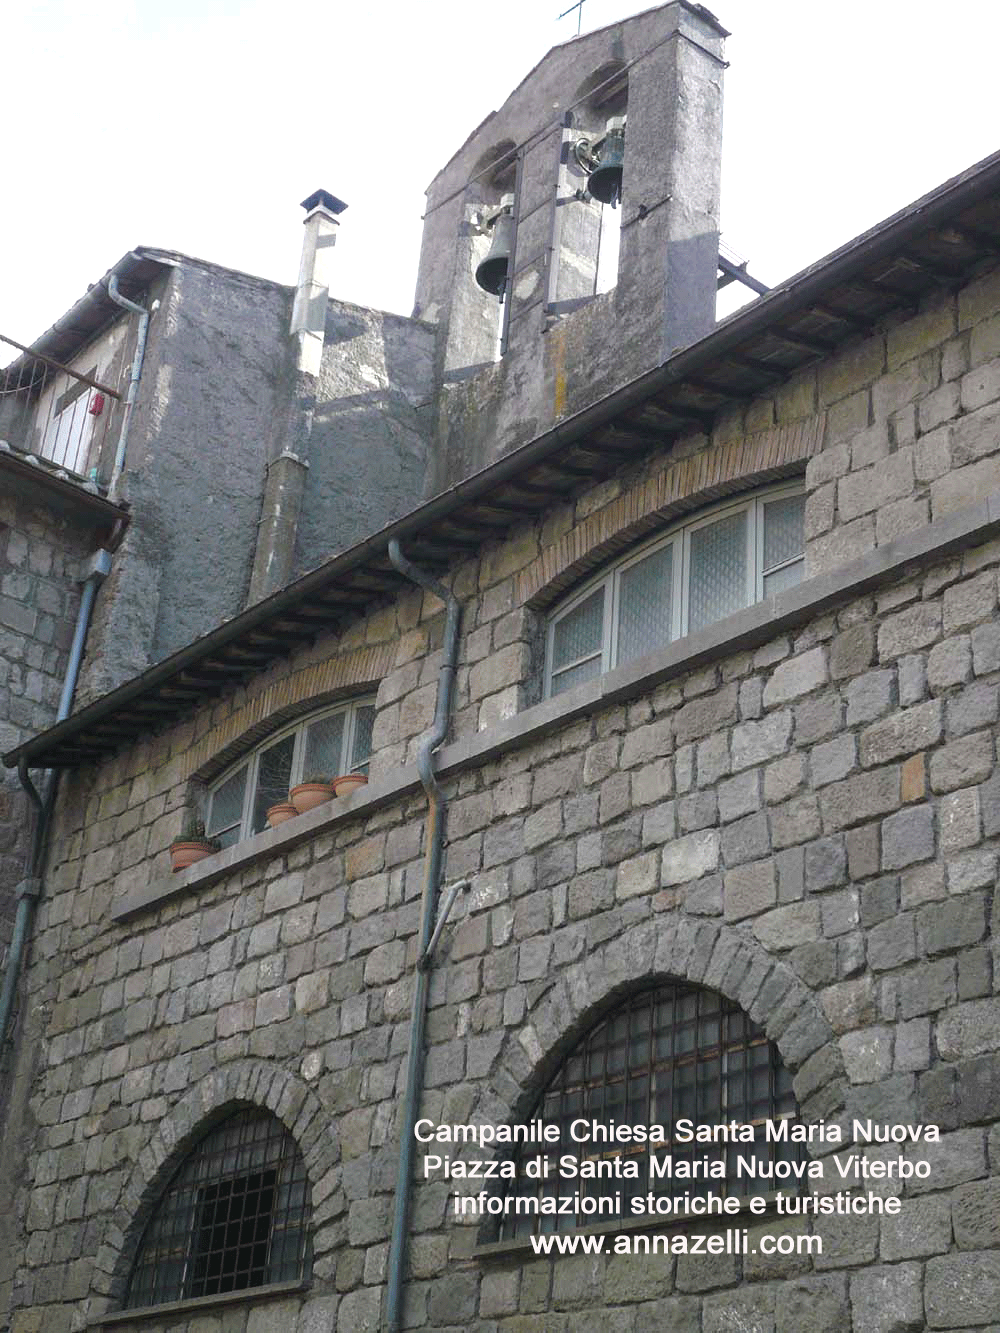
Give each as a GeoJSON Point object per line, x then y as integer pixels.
{"type": "Point", "coordinates": [199, 125]}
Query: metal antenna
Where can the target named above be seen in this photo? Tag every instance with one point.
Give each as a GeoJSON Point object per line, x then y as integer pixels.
{"type": "Point", "coordinates": [579, 14]}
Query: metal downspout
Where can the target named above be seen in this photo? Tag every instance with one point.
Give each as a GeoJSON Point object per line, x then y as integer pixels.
{"type": "Point", "coordinates": [432, 878]}
{"type": "Point", "coordinates": [31, 885]}
{"type": "Point", "coordinates": [133, 384]}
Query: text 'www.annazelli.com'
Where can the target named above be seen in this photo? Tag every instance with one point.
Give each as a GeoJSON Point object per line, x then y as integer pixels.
{"type": "Point", "coordinates": [724, 1242]}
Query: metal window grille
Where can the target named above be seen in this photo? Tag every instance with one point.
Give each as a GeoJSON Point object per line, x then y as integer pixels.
{"type": "Point", "coordinates": [664, 1054]}
{"type": "Point", "coordinates": [234, 1216]}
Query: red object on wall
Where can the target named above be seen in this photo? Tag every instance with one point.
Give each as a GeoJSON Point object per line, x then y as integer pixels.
{"type": "Point", "coordinates": [96, 405]}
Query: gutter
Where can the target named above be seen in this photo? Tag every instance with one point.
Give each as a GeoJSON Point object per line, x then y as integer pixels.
{"type": "Point", "coordinates": [133, 384]}
{"type": "Point", "coordinates": [32, 885]}
{"type": "Point", "coordinates": [429, 934]}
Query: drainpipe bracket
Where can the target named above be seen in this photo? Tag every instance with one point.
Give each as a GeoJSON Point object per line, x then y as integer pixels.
{"type": "Point", "coordinates": [30, 887]}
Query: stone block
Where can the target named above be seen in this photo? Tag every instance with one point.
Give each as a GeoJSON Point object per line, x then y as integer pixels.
{"type": "Point", "coordinates": [949, 663]}
{"type": "Point", "coordinates": [690, 857]}
{"type": "Point", "coordinates": [964, 486]}
{"type": "Point", "coordinates": [749, 890]}
{"type": "Point", "coordinates": [962, 1290]}
{"type": "Point", "coordinates": [892, 943]}
{"type": "Point", "coordinates": [860, 798]}
{"type": "Point", "coordinates": [785, 927]}
{"type": "Point", "coordinates": [959, 820]}
{"type": "Point", "coordinates": [971, 708]}
{"type": "Point", "coordinates": [813, 1305]}
{"type": "Point", "coordinates": [750, 1308]}
{"type": "Point", "coordinates": [755, 742]}
{"type": "Point", "coordinates": [985, 640]}
{"type": "Point", "coordinates": [796, 676]}
{"type": "Point", "coordinates": [969, 1029]}
{"type": "Point", "coordinates": [784, 778]}
{"type": "Point", "coordinates": [888, 1299]}
{"type": "Point", "coordinates": [739, 796]}
{"type": "Point", "coordinates": [909, 630]}
{"type": "Point", "coordinates": [962, 762]}
{"type": "Point", "coordinates": [975, 1212]}
{"type": "Point", "coordinates": [905, 732]}
{"type": "Point", "coordinates": [928, 987]}
{"type": "Point", "coordinates": [975, 435]}
{"type": "Point", "coordinates": [825, 863]}
{"type": "Point", "coordinates": [869, 696]}
{"type": "Point", "coordinates": [833, 760]}
{"type": "Point", "coordinates": [852, 651]}
{"type": "Point", "coordinates": [911, 679]}
{"type": "Point", "coordinates": [638, 875]}
{"type": "Point", "coordinates": [867, 1054]}
{"type": "Point", "coordinates": [970, 602]}
{"type": "Point", "coordinates": [972, 870]}
{"type": "Point", "coordinates": [745, 839]}
{"type": "Point", "coordinates": [795, 821]}
{"type": "Point", "coordinates": [907, 837]}
{"type": "Point", "coordinates": [871, 488]}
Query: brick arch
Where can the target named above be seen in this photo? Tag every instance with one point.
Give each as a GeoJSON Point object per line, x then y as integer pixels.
{"type": "Point", "coordinates": [678, 488]}
{"type": "Point", "coordinates": [335, 678]}
{"type": "Point", "coordinates": [253, 1083]}
{"type": "Point", "coordinates": [681, 948]}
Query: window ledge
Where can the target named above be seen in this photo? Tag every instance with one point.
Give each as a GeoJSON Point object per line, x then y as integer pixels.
{"type": "Point", "coordinates": [748, 628]}
{"type": "Point", "coordinates": [198, 1304]}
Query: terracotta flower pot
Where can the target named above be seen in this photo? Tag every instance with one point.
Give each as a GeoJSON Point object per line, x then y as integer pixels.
{"type": "Point", "coordinates": [281, 812]}
{"type": "Point", "coordinates": [307, 795]}
{"type": "Point", "coordinates": [343, 786]}
{"type": "Point", "coordinates": [184, 854]}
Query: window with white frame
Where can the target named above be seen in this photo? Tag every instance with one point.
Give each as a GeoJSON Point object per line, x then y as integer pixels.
{"type": "Point", "coordinates": [699, 571]}
{"type": "Point", "coordinates": [325, 744]}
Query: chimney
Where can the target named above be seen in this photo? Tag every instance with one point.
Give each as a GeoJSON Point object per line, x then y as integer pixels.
{"type": "Point", "coordinates": [285, 481]}
{"type": "Point", "coordinates": [313, 291]}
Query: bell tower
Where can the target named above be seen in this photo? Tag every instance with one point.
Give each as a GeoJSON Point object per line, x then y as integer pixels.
{"type": "Point", "coordinates": [616, 133]}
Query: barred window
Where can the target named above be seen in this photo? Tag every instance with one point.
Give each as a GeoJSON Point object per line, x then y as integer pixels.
{"type": "Point", "coordinates": [664, 1054]}
{"type": "Point", "coordinates": [234, 1216]}
{"type": "Point", "coordinates": [697, 572]}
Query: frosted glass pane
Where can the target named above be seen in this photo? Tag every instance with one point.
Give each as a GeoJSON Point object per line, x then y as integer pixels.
{"type": "Point", "coordinates": [718, 570]}
{"type": "Point", "coordinates": [227, 803]}
{"type": "Point", "coordinates": [364, 722]}
{"type": "Point", "coordinates": [783, 526]}
{"type": "Point", "coordinates": [644, 617]}
{"type": "Point", "coordinates": [787, 577]}
{"type": "Point", "coordinates": [273, 778]}
{"type": "Point", "coordinates": [580, 632]}
{"type": "Point", "coordinates": [324, 741]}
{"type": "Point", "coordinates": [576, 675]}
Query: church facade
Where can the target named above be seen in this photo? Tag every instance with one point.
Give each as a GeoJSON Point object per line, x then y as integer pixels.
{"type": "Point", "coordinates": [669, 712]}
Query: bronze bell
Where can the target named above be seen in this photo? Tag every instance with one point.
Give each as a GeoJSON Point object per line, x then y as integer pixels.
{"type": "Point", "coordinates": [605, 182]}
{"type": "Point", "coordinates": [491, 273]}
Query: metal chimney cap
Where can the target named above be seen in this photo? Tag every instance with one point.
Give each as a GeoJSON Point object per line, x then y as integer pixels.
{"type": "Point", "coordinates": [326, 199]}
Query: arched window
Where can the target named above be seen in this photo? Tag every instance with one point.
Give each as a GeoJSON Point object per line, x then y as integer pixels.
{"type": "Point", "coordinates": [324, 744]}
{"type": "Point", "coordinates": [668, 1053]}
{"type": "Point", "coordinates": [699, 571]}
{"type": "Point", "coordinates": [235, 1215]}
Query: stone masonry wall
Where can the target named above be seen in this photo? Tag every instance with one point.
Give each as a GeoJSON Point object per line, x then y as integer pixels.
{"type": "Point", "coordinates": [40, 560]}
{"type": "Point", "coordinates": [810, 826]}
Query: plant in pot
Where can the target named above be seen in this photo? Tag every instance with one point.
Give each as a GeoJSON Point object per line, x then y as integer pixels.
{"type": "Point", "coordinates": [280, 813]}
{"type": "Point", "coordinates": [192, 845]}
{"type": "Point", "coordinates": [314, 791]}
{"type": "Point", "coordinates": [348, 782]}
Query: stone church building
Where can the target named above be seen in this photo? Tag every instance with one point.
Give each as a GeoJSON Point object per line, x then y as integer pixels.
{"type": "Point", "coordinates": [669, 649]}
